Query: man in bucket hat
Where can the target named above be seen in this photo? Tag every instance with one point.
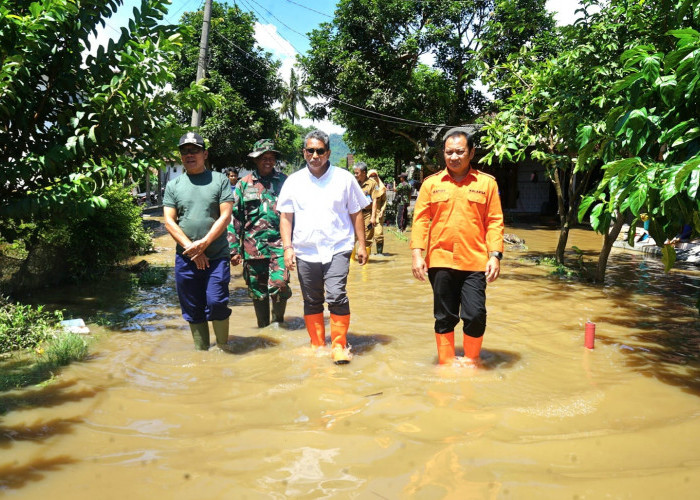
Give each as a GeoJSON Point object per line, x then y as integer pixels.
{"type": "Point", "coordinates": [254, 235]}
{"type": "Point", "coordinates": [197, 209]}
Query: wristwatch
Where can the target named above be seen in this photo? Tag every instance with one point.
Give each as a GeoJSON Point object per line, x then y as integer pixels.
{"type": "Point", "coordinates": [498, 255]}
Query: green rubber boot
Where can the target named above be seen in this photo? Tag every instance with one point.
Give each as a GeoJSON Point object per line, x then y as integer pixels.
{"type": "Point", "coordinates": [221, 331]}
{"type": "Point", "coordinates": [200, 335]}
{"type": "Point", "coordinates": [262, 312]}
{"type": "Point", "coordinates": [278, 308]}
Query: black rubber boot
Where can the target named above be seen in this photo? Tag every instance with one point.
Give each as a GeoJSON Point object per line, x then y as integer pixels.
{"type": "Point", "coordinates": [262, 312]}
{"type": "Point", "coordinates": [200, 335]}
{"type": "Point", "coordinates": [278, 308]}
{"type": "Point", "coordinates": [380, 248]}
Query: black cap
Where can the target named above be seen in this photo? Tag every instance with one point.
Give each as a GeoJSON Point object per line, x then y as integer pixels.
{"type": "Point", "coordinates": [191, 138]}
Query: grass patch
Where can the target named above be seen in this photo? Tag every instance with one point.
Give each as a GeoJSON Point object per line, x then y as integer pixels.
{"type": "Point", "coordinates": [34, 366]}
{"type": "Point", "coordinates": [153, 276]}
{"type": "Point", "coordinates": [399, 235]}
{"type": "Point", "coordinates": [558, 269]}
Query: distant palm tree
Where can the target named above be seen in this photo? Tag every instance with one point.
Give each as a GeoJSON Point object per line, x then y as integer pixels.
{"type": "Point", "coordinates": [294, 94]}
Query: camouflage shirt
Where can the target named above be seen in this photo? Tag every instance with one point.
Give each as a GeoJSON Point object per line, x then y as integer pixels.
{"type": "Point", "coordinates": [403, 193]}
{"type": "Point", "coordinates": [255, 221]}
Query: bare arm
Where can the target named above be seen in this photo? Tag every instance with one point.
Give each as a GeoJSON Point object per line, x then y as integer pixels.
{"type": "Point", "coordinates": [358, 222]}
{"type": "Point", "coordinates": [170, 217]}
{"type": "Point", "coordinates": [286, 223]}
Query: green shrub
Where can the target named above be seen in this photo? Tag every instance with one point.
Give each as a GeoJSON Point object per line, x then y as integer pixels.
{"type": "Point", "coordinates": [95, 243]}
{"type": "Point", "coordinates": [23, 326]}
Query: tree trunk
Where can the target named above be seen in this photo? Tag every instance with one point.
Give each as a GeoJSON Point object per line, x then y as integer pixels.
{"type": "Point", "coordinates": [563, 217]}
{"type": "Point", "coordinates": [608, 241]}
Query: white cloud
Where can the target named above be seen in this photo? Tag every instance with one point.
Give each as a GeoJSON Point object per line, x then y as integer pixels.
{"type": "Point", "coordinates": [564, 10]}
{"type": "Point", "coordinates": [268, 38]}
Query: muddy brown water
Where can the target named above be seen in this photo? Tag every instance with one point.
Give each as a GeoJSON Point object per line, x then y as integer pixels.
{"type": "Point", "coordinates": [148, 417]}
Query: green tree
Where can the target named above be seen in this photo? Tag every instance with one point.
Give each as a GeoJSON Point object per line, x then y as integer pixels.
{"type": "Point", "coordinates": [650, 139]}
{"type": "Point", "coordinates": [242, 76]}
{"type": "Point", "coordinates": [73, 123]}
{"type": "Point", "coordinates": [295, 94]}
{"type": "Point", "coordinates": [368, 57]}
{"type": "Point", "coordinates": [556, 105]}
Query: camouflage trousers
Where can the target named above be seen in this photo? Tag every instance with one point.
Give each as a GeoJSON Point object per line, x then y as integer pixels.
{"type": "Point", "coordinates": [267, 278]}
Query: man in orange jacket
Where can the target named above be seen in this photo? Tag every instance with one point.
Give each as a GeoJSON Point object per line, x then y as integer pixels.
{"type": "Point", "coordinates": [458, 221]}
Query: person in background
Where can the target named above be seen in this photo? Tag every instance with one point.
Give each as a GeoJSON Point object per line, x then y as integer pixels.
{"type": "Point", "coordinates": [369, 213]}
{"type": "Point", "coordinates": [403, 201]}
{"type": "Point", "coordinates": [254, 235]}
{"type": "Point", "coordinates": [458, 222]}
{"type": "Point", "coordinates": [381, 209]}
{"type": "Point", "coordinates": [232, 175]}
{"type": "Point", "coordinates": [323, 205]}
{"type": "Point", "coordinates": [197, 209]}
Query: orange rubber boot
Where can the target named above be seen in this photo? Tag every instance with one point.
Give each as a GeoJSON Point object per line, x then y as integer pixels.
{"type": "Point", "coordinates": [472, 347]}
{"type": "Point", "coordinates": [316, 329]}
{"type": "Point", "coordinates": [339, 331]}
{"type": "Point", "coordinates": [445, 347]}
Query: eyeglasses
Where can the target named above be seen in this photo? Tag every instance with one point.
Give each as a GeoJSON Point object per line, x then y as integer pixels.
{"type": "Point", "coordinates": [190, 151]}
{"type": "Point", "coordinates": [320, 151]}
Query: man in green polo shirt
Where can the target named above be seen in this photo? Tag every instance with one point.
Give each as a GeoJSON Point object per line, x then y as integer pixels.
{"type": "Point", "coordinates": [197, 210]}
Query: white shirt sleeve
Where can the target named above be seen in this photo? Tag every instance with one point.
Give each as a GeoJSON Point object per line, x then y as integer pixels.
{"type": "Point", "coordinates": [285, 203]}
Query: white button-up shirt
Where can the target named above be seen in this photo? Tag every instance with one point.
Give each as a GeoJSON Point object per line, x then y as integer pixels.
{"type": "Point", "coordinates": [321, 208]}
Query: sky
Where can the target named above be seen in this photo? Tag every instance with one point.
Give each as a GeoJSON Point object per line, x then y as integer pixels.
{"type": "Point", "coordinates": [282, 26]}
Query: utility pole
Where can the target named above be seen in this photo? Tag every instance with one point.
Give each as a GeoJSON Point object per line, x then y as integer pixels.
{"type": "Point", "coordinates": [201, 65]}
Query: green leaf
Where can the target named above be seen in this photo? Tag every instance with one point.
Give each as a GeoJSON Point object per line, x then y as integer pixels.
{"type": "Point", "coordinates": [595, 216]}
{"type": "Point", "coordinates": [583, 207]}
{"type": "Point", "coordinates": [694, 183]}
{"type": "Point", "coordinates": [668, 256]}
{"type": "Point", "coordinates": [638, 198]}
{"type": "Point", "coordinates": [675, 131]}
{"type": "Point", "coordinates": [685, 171]}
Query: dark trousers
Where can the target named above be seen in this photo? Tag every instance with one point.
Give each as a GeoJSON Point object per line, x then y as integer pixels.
{"type": "Point", "coordinates": [325, 282]}
{"type": "Point", "coordinates": [402, 217]}
{"type": "Point", "coordinates": [459, 294]}
{"type": "Point", "coordinates": [203, 293]}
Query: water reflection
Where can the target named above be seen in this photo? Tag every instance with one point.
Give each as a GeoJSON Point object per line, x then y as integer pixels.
{"type": "Point", "coordinates": [543, 418]}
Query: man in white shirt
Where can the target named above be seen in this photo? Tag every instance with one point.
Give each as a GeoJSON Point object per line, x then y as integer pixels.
{"type": "Point", "coordinates": [324, 206]}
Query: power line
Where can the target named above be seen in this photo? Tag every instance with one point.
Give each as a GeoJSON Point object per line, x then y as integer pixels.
{"type": "Point", "coordinates": [185, 4]}
{"type": "Point", "coordinates": [373, 115]}
{"type": "Point", "coordinates": [253, 9]}
{"type": "Point", "coordinates": [282, 23]}
{"type": "Point", "coordinates": [377, 115]}
{"type": "Point", "coordinates": [309, 8]}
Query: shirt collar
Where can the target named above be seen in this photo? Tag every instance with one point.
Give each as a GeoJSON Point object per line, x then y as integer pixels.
{"type": "Point", "coordinates": [325, 174]}
{"type": "Point", "coordinates": [471, 175]}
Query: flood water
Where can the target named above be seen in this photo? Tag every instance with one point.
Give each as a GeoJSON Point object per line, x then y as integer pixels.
{"type": "Point", "coordinates": [147, 416]}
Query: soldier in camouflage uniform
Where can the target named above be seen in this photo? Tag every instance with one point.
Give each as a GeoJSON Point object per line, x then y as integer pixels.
{"type": "Point", "coordinates": [254, 235]}
{"type": "Point", "coordinates": [403, 201]}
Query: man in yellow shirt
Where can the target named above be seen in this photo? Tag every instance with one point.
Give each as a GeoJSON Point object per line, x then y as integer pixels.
{"type": "Point", "coordinates": [369, 213]}
{"type": "Point", "coordinates": [381, 198]}
{"type": "Point", "coordinates": [458, 222]}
